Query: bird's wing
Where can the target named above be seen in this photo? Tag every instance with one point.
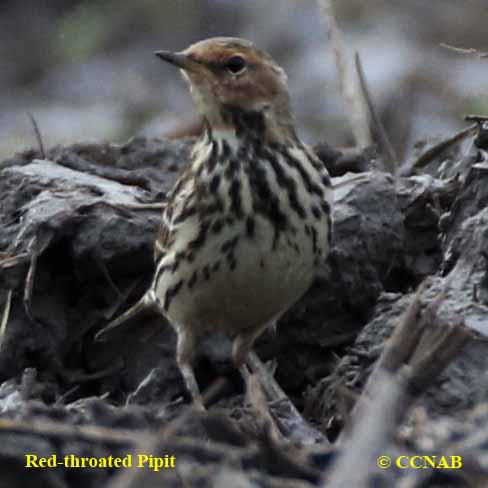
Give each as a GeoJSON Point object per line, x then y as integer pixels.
{"type": "Point", "coordinates": [181, 194]}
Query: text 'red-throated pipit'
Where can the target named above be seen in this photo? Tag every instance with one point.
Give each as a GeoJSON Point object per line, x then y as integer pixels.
{"type": "Point", "coordinates": [249, 221]}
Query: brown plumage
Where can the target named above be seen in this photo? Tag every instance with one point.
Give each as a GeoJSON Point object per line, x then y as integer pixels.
{"type": "Point", "coordinates": [248, 222]}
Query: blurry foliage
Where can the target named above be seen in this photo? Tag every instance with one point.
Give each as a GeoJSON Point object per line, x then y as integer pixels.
{"type": "Point", "coordinates": [93, 26]}
{"type": "Point", "coordinates": [81, 31]}
{"type": "Point", "coordinates": [477, 104]}
{"type": "Point", "coordinates": [84, 66]}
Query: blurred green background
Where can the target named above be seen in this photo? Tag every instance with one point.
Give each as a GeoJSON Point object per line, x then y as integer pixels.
{"type": "Point", "coordinates": [86, 71]}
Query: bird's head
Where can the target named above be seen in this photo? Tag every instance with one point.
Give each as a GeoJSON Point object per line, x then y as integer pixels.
{"type": "Point", "coordinates": [230, 76]}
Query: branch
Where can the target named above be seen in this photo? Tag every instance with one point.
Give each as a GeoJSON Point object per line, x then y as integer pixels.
{"type": "Point", "coordinates": [293, 426]}
{"type": "Point", "coordinates": [59, 430]}
{"type": "Point", "coordinates": [462, 50]}
{"type": "Point", "coordinates": [370, 435]}
{"type": "Point", "coordinates": [418, 351]}
{"type": "Point", "coordinates": [38, 134]}
{"type": "Point", "coordinates": [423, 344]}
{"type": "Point", "coordinates": [390, 158]}
{"type": "Point", "coordinates": [430, 154]}
{"type": "Point", "coordinates": [348, 83]}
{"type": "Point", "coordinates": [5, 317]}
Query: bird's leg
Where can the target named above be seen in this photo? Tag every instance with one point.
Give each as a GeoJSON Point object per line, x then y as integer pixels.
{"type": "Point", "coordinates": [240, 351]}
{"type": "Point", "coordinates": [248, 362]}
{"type": "Point", "coordinates": [242, 345]}
{"type": "Point", "coordinates": [184, 355]}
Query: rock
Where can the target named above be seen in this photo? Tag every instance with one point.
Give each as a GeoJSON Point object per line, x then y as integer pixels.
{"type": "Point", "coordinates": [461, 252]}
{"type": "Point", "coordinates": [74, 209]}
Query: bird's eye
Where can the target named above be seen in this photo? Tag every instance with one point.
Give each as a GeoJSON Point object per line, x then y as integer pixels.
{"type": "Point", "coordinates": [236, 64]}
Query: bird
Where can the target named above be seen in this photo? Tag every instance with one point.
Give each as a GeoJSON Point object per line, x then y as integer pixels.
{"type": "Point", "coordinates": [248, 223]}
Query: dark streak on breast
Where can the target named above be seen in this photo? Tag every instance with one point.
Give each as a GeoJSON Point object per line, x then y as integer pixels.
{"type": "Point", "coordinates": [306, 178]}
{"type": "Point", "coordinates": [316, 212]}
{"type": "Point", "coordinates": [206, 272]}
{"type": "Point", "coordinates": [171, 292]}
{"type": "Point", "coordinates": [193, 279]}
{"type": "Point", "coordinates": [284, 181]}
{"type": "Point", "coordinates": [200, 238]}
{"type": "Point", "coordinates": [229, 245]}
{"type": "Point", "coordinates": [250, 224]}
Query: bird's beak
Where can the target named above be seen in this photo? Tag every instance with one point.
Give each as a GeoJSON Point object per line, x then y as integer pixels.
{"type": "Point", "coordinates": [179, 60]}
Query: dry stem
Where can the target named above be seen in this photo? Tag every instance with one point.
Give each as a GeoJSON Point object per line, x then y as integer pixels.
{"type": "Point", "coordinates": [351, 93]}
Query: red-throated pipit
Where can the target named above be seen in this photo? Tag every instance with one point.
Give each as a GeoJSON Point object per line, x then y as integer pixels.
{"type": "Point", "coordinates": [249, 221]}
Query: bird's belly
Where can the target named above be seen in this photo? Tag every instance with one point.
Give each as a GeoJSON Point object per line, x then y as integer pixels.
{"type": "Point", "coordinates": [249, 288]}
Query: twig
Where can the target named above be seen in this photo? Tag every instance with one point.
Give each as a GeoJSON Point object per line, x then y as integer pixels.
{"type": "Point", "coordinates": [143, 206]}
{"type": "Point", "coordinates": [291, 423]}
{"type": "Point", "coordinates": [15, 260]}
{"type": "Point", "coordinates": [62, 398]}
{"type": "Point", "coordinates": [257, 399]}
{"type": "Point", "coordinates": [51, 429]}
{"type": "Point", "coordinates": [462, 50]}
{"type": "Point", "coordinates": [370, 436]}
{"type": "Point", "coordinates": [148, 443]}
{"type": "Point", "coordinates": [103, 268]}
{"type": "Point", "coordinates": [37, 132]}
{"type": "Point", "coordinates": [423, 343]}
{"type": "Point", "coordinates": [29, 280]}
{"type": "Point", "coordinates": [5, 317]}
{"type": "Point", "coordinates": [426, 157]}
{"type": "Point", "coordinates": [36, 247]}
{"type": "Point", "coordinates": [59, 430]}
{"type": "Point", "coordinates": [74, 377]}
{"type": "Point", "coordinates": [348, 83]}
{"type": "Point", "coordinates": [479, 119]}
{"type": "Point", "coordinates": [390, 157]}
{"type": "Point", "coordinates": [404, 339]}
{"type": "Point", "coordinates": [112, 310]}
{"type": "Point", "coordinates": [419, 350]}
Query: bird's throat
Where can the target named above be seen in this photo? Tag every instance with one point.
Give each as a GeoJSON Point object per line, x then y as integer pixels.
{"type": "Point", "coordinates": [249, 126]}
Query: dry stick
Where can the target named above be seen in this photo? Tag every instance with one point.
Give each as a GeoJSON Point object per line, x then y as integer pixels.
{"type": "Point", "coordinates": [370, 436]}
{"type": "Point", "coordinates": [5, 316]}
{"type": "Point", "coordinates": [111, 311]}
{"type": "Point", "coordinates": [406, 343]}
{"type": "Point", "coordinates": [103, 268]}
{"type": "Point", "coordinates": [36, 247]}
{"type": "Point", "coordinates": [149, 443]}
{"type": "Point", "coordinates": [38, 135]}
{"type": "Point", "coordinates": [29, 280]}
{"type": "Point", "coordinates": [293, 425]}
{"type": "Point", "coordinates": [401, 374]}
{"type": "Point", "coordinates": [462, 50]}
{"type": "Point", "coordinates": [258, 401]}
{"type": "Point", "coordinates": [143, 206]}
{"type": "Point", "coordinates": [58, 430]}
{"type": "Point", "coordinates": [405, 336]}
{"type": "Point", "coordinates": [390, 158]}
{"type": "Point", "coordinates": [440, 347]}
{"type": "Point", "coordinates": [55, 430]}
{"type": "Point", "coordinates": [86, 377]}
{"type": "Point", "coordinates": [15, 260]}
{"type": "Point", "coordinates": [348, 83]}
{"type": "Point", "coordinates": [426, 157]}
{"type": "Point", "coordinates": [479, 119]}
{"type": "Point", "coordinates": [270, 439]}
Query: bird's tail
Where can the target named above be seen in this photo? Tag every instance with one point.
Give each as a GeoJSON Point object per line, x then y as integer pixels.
{"type": "Point", "coordinates": [143, 304]}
